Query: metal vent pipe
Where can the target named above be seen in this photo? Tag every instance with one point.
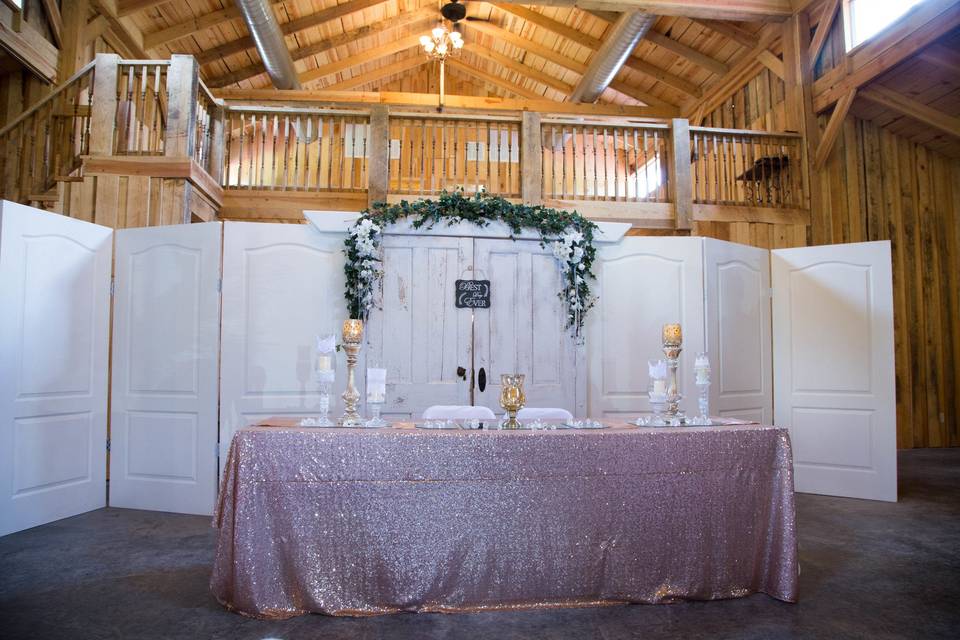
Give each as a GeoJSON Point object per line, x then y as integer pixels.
{"type": "Point", "coordinates": [268, 38]}
{"type": "Point", "coordinates": [624, 35]}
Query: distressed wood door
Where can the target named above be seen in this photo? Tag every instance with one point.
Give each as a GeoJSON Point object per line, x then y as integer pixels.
{"type": "Point", "coordinates": [416, 332]}
{"type": "Point", "coordinates": [524, 330]}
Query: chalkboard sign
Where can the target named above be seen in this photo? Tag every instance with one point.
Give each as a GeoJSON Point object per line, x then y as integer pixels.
{"type": "Point", "coordinates": [473, 294]}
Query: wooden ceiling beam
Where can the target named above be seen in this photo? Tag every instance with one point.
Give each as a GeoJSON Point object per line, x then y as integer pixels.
{"type": "Point", "coordinates": [55, 20]}
{"type": "Point", "coordinates": [364, 57]}
{"type": "Point", "coordinates": [920, 27]}
{"type": "Point", "coordinates": [832, 131]}
{"type": "Point", "coordinates": [519, 68]}
{"type": "Point", "coordinates": [126, 37]}
{"type": "Point", "coordinates": [421, 17]}
{"type": "Point", "coordinates": [494, 79]}
{"type": "Point", "coordinates": [827, 16]}
{"type": "Point", "coordinates": [730, 31]}
{"type": "Point", "coordinates": [260, 97]}
{"type": "Point", "coordinates": [912, 109]}
{"type": "Point", "coordinates": [128, 7]}
{"type": "Point", "coordinates": [749, 10]}
{"type": "Point", "coordinates": [633, 62]}
{"type": "Point", "coordinates": [361, 80]}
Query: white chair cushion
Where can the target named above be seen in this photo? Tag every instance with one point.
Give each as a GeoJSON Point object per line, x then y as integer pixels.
{"type": "Point", "coordinates": [457, 412]}
{"type": "Point", "coordinates": [545, 413]}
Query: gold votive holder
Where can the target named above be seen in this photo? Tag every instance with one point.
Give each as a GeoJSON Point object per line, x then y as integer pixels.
{"type": "Point", "coordinates": [352, 330]}
{"type": "Point", "coordinates": [512, 397]}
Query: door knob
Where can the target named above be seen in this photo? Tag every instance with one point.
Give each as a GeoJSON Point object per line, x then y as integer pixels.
{"type": "Point", "coordinates": [482, 380]}
{"type": "Point", "coordinates": [461, 373]}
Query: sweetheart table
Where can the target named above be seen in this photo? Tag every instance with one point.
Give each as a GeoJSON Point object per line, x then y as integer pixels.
{"type": "Point", "coordinates": [372, 521]}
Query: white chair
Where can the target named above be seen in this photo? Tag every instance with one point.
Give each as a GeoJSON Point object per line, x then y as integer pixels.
{"type": "Point", "coordinates": [546, 413]}
{"type": "Point", "coordinates": [457, 412]}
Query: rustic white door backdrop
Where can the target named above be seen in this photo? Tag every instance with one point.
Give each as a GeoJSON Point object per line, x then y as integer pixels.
{"type": "Point", "coordinates": [54, 332]}
{"type": "Point", "coordinates": [166, 351]}
{"type": "Point", "coordinates": [835, 386]}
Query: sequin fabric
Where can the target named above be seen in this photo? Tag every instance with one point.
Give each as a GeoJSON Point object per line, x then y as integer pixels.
{"type": "Point", "coordinates": [365, 522]}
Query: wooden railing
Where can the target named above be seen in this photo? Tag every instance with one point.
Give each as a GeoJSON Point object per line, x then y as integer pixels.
{"type": "Point", "coordinates": [141, 122]}
{"type": "Point", "coordinates": [430, 153]}
{"type": "Point", "coordinates": [737, 167]}
{"type": "Point", "coordinates": [605, 161]}
{"type": "Point", "coordinates": [204, 130]}
{"type": "Point", "coordinates": [45, 143]}
{"type": "Point", "coordinates": [295, 150]}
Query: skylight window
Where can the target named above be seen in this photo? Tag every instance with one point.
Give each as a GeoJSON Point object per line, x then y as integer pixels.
{"type": "Point", "coordinates": [867, 18]}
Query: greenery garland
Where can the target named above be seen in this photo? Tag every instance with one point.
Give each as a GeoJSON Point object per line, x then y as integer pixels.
{"type": "Point", "coordinates": [568, 233]}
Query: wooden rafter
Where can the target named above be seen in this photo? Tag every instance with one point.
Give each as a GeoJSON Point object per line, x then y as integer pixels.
{"type": "Point", "coordinates": [415, 18]}
{"type": "Point", "coordinates": [633, 62]}
{"type": "Point", "coordinates": [121, 33]}
{"type": "Point", "coordinates": [912, 109]}
{"type": "Point", "coordinates": [678, 48]}
{"type": "Point", "coordinates": [712, 9]}
{"type": "Point", "coordinates": [493, 79]}
{"type": "Point", "coordinates": [362, 80]}
{"type": "Point", "coordinates": [519, 68]}
{"type": "Point", "coordinates": [54, 19]}
{"type": "Point", "coordinates": [369, 55]}
{"type": "Point", "coordinates": [832, 131]}
{"type": "Point", "coordinates": [922, 26]}
{"type": "Point", "coordinates": [827, 17]}
{"type": "Point", "coordinates": [557, 58]}
{"type": "Point", "coordinates": [128, 7]}
{"type": "Point", "coordinates": [288, 28]}
{"type": "Point", "coordinates": [730, 31]}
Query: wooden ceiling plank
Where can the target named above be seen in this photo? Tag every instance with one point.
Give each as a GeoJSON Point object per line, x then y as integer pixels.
{"type": "Point", "coordinates": [416, 18]}
{"type": "Point", "coordinates": [730, 31]}
{"type": "Point", "coordinates": [633, 62]}
{"type": "Point", "coordinates": [696, 57]}
{"type": "Point", "coordinates": [519, 67]}
{"type": "Point", "coordinates": [380, 73]}
{"type": "Point", "coordinates": [364, 57]}
{"type": "Point", "coordinates": [294, 26]}
{"type": "Point", "coordinates": [827, 16]}
{"type": "Point", "coordinates": [749, 10]}
{"type": "Point", "coordinates": [190, 27]}
{"type": "Point", "coordinates": [942, 57]}
{"type": "Point", "coordinates": [920, 27]}
{"type": "Point", "coordinates": [128, 7]}
{"type": "Point", "coordinates": [494, 79]}
{"type": "Point", "coordinates": [913, 109]}
{"type": "Point", "coordinates": [832, 131]}
{"type": "Point", "coordinates": [121, 29]}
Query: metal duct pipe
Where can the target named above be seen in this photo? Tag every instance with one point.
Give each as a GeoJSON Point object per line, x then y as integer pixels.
{"type": "Point", "coordinates": [626, 32]}
{"type": "Point", "coordinates": [268, 37]}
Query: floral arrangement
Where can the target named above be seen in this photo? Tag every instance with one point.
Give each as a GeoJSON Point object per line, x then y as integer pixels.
{"type": "Point", "coordinates": [569, 235]}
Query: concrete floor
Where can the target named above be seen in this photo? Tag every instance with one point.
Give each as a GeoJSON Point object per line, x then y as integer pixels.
{"type": "Point", "coordinates": [869, 570]}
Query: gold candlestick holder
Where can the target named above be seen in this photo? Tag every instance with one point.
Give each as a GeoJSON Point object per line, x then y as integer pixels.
{"type": "Point", "coordinates": [672, 346]}
{"type": "Point", "coordinates": [352, 339]}
{"type": "Point", "coordinates": [512, 397]}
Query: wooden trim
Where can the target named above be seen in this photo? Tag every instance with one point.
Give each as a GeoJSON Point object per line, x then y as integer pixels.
{"type": "Point", "coordinates": [832, 131]}
{"type": "Point", "coordinates": [912, 109]}
{"type": "Point", "coordinates": [265, 97]}
{"type": "Point", "coordinates": [766, 215]}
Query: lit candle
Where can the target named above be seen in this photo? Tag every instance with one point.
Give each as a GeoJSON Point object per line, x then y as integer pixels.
{"type": "Point", "coordinates": [376, 385]}
{"type": "Point", "coordinates": [659, 386]}
{"type": "Point", "coordinates": [672, 334]}
{"type": "Point", "coordinates": [352, 330]}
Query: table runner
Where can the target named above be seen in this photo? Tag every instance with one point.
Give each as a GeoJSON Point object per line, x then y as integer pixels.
{"type": "Point", "coordinates": [361, 522]}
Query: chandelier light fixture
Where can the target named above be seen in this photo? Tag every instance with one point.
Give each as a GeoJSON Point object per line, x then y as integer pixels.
{"type": "Point", "coordinates": [438, 45]}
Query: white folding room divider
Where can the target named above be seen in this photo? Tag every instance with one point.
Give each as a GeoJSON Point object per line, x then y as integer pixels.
{"type": "Point", "coordinates": [282, 285]}
{"type": "Point", "coordinates": [835, 382]}
{"type": "Point", "coordinates": [737, 289]}
{"type": "Point", "coordinates": [54, 324]}
{"type": "Point", "coordinates": [165, 386]}
{"type": "Point", "coordinates": [642, 284]}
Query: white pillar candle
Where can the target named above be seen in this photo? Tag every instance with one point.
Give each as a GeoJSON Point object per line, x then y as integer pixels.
{"type": "Point", "coordinates": [376, 385]}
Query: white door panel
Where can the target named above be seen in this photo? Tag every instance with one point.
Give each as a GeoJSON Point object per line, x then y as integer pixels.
{"type": "Point", "coordinates": [417, 333]}
{"type": "Point", "coordinates": [642, 284]}
{"type": "Point", "coordinates": [737, 285]}
{"type": "Point", "coordinates": [282, 286]}
{"type": "Point", "coordinates": [834, 384]}
{"type": "Point", "coordinates": [166, 331]}
{"type": "Point", "coordinates": [55, 301]}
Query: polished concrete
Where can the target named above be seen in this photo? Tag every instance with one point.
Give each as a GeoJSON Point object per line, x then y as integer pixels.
{"type": "Point", "coordinates": [869, 570]}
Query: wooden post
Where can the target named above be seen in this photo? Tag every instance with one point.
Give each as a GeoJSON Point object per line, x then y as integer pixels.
{"type": "Point", "coordinates": [183, 83]}
{"type": "Point", "coordinates": [217, 115]}
{"type": "Point", "coordinates": [378, 180]}
{"type": "Point", "coordinates": [74, 14]}
{"type": "Point", "coordinates": [531, 157]}
{"type": "Point", "coordinates": [680, 180]}
{"type": "Point", "coordinates": [799, 113]}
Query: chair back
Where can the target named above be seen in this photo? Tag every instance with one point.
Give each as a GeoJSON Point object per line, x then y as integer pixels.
{"type": "Point", "coordinates": [544, 413]}
{"type": "Point", "coordinates": [457, 412]}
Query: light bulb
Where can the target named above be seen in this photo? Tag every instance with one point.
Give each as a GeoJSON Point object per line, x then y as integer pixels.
{"type": "Point", "coordinates": [442, 48]}
{"type": "Point", "coordinates": [424, 40]}
{"type": "Point", "coordinates": [454, 35]}
{"type": "Point", "coordinates": [437, 33]}
{"type": "Point", "coordinates": [458, 44]}
{"type": "Point", "coordinates": [429, 47]}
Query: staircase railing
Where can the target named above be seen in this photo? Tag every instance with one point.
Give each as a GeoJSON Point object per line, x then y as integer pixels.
{"type": "Point", "coordinates": [45, 144]}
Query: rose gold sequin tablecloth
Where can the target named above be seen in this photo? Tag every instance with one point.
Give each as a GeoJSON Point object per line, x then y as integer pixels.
{"type": "Point", "coordinates": [361, 522]}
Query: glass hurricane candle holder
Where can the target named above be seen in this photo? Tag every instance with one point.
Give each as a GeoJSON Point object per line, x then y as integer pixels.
{"type": "Point", "coordinates": [657, 391]}
{"type": "Point", "coordinates": [512, 397]}
{"type": "Point", "coordinates": [376, 396]}
{"type": "Point", "coordinates": [701, 369]}
{"type": "Point", "coordinates": [324, 373]}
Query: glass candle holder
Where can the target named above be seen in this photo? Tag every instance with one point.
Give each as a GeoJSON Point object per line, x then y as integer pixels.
{"type": "Point", "coordinates": [376, 396]}
{"type": "Point", "coordinates": [324, 374]}
{"type": "Point", "coordinates": [512, 397]}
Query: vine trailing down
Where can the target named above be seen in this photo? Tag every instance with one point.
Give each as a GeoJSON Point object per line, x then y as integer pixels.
{"type": "Point", "coordinates": [569, 235]}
